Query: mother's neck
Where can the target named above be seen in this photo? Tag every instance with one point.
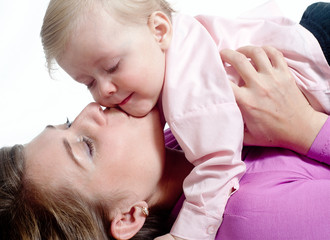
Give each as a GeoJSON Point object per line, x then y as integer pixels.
{"type": "Point", "coordinates": [177, 167]}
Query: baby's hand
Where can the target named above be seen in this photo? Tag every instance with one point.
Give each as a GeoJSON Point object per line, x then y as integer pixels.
{"type": "Point", "coordinates": [168, 237]}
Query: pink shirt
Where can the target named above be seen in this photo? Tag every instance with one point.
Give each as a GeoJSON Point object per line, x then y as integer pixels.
{"type": "Point", "coordinates": [200, 108]}
{"type": "Point", "coordinates": [320, 149]}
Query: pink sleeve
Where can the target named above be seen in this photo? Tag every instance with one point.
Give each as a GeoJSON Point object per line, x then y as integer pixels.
{"type": "Point", "coordinates": [200, 109]}
{"type": "Point", "coordinates": [320, 149]}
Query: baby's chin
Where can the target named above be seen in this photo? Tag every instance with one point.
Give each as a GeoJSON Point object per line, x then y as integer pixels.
{"type": "Point", "coordinates": [139, 112]}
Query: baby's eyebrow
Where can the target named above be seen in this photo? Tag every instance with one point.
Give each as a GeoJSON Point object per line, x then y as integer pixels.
{"type": "Point", "coordinates": [50, 126]}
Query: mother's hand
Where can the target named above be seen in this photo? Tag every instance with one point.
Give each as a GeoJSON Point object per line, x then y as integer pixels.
{"type": "Point", "coordinates": [275, 112]}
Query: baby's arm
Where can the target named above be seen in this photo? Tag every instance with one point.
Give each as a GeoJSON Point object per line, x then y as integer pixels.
{"type": "Point", "coordinates": [200, 108]}
{"type": "Point", "coordinates": [275, 112]}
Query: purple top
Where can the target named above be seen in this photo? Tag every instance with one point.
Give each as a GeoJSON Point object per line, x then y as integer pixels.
{"type": "Point", "coordinates": [283, 195]}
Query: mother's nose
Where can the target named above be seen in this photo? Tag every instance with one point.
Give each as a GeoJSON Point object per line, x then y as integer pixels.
{"type": "Point", "coordinates": [91, 114]}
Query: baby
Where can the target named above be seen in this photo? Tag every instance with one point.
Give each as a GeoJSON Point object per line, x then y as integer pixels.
{"type": "Point", "coordinates": [135, 55]}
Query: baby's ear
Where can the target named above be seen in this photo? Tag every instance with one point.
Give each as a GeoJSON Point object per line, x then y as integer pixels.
{"type": "Point", "coordinates": [161, 27]}
{"type": "Point", "coordinates": [126, 224]}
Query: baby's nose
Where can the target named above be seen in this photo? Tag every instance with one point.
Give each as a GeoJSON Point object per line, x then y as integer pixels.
{"type": "Point", "coordinates": [106, 89]}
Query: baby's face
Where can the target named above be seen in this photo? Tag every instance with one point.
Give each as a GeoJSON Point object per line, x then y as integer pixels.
{"type": "Point", "coordinates": [121, 64]}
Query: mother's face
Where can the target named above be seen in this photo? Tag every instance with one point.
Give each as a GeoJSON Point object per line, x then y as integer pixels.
{"type": "Point", "coordinates": [102, 151]}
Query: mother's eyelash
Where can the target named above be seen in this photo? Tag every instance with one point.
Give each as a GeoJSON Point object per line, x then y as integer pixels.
{"type": "Point", "coordinates": [68, 123]}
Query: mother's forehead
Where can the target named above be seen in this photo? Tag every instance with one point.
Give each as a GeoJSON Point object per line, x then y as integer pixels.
{"type": "Point", "coordinates": [45, 156]}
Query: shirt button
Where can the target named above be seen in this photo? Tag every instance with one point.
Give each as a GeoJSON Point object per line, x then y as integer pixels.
{"type": "Point", "coordinates": [211, 229]}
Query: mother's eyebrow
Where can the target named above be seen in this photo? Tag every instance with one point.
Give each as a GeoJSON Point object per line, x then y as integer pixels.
{"type": "Point", "coordinates": [50, 126]}
{"type": "Point", "coordinates": [68, 149]}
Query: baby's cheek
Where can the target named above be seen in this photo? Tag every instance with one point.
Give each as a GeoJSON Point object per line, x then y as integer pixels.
{"type": "Point", "coordinates": [102, 101]}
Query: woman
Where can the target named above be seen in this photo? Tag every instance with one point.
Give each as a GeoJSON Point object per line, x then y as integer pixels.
{"type": "Point", "coordinates": [95, 164]}
{"type": "Point", "coordinates": [101, 174]}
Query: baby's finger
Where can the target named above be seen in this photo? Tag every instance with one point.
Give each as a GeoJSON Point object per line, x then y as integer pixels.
{"type": "Point", "coordinates": [240, 63]}
{"type": "Point", "coordinates": [258, 57]}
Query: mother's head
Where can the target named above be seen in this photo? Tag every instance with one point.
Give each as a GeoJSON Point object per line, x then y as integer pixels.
{"type": "Point", "coordinates": [83, 181]}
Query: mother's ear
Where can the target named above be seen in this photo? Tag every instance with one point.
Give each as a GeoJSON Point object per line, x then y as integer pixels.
{"type": "Point", "coordinates": [126, 224]}
{"type": "Point", "coordinates": [161, 27]}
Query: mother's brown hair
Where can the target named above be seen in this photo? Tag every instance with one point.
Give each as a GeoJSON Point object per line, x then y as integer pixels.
{"type": "Point", "coordinates": [30, 212]}
{"type": "Point", "coordinates": [27, 212]}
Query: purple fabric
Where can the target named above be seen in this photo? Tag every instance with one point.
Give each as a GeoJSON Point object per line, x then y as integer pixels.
{"type": "Point", "coordinates": [283, 195]}
{"type": "Point", "coordinates": [170, 140]}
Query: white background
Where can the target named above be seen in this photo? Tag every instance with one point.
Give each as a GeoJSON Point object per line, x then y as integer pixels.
{"type": "Point", "coordinates": [30, 99]}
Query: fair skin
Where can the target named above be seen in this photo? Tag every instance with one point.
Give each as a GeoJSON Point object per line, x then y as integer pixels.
{"type": "Point", "coordinates": [126, 70]}
{"type": "Point", "coordinates": [107, 152]}
{"type": "Point", "coordinates": [89, 143]}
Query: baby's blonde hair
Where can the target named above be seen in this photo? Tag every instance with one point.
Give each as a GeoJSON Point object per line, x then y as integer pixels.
{"type": "Point", "coordinates": [63, 16]}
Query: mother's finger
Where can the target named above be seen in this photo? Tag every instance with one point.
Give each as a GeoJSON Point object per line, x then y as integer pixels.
{"type": "Point", "coordinates": [237, 92]}
{"type": "Point", "coordinates": [276, 57]}
{"type": "Point", "coordinates": [258, 56]}
{"type": "Point", "coordinates": [241, 64]}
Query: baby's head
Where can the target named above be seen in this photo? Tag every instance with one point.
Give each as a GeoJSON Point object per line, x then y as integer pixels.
{"type": "Point", "coordinates": [115, 47]}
